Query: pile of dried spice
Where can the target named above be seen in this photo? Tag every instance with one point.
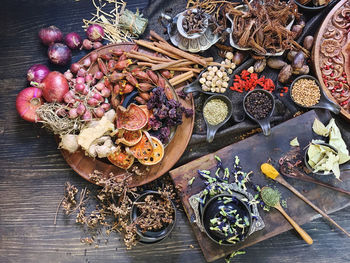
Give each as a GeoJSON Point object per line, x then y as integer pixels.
{"type": "Point", "coordinates": [215, 111]}
{"type": "Point", "coordinates": [249, 81]}
{"type": "Point", "coordinates": [258, 104]}
{"type": "Point", "coordinates": [306, 92]}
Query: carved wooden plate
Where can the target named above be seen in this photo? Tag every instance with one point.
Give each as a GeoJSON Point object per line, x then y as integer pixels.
{"type": "Point", "coordinates": [331, 56]}
{"type": "Point", "coordinates": [85, 165]}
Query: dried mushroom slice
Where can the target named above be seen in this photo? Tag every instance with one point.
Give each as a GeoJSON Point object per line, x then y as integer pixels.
{"type": "Point", "coordinates": [121, 159]}
{"type": "Point", "coordinates": [142, 149]}
{"type": "Point", "coordinates": [129, 138]}
{"type": "Point", "coordinates": [132, 119]}
{"type": "Point", "coordinates": [157, 153]}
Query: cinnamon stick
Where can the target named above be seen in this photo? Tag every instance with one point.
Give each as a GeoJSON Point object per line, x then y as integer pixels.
{"type": "Point", "coordinates": [178, 63]}
{"type": "Point", "coordinates": [169, 48]}
{"type": "Point", "coordinates": [150, 45]}
{"type": "Point", "coordinates": [194, 70]}
{"type": "Point", "coordinates": [160, 59]}
{"type": "Point", "coordinates": [156, 36]}
{"type": "Point", "coordinates": [139, 57]}
{"type": "Point", "coordinates": [181, 78]}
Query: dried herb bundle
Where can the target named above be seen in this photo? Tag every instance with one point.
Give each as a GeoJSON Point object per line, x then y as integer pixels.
{"type": "Point", "coordinates": [263, 26]}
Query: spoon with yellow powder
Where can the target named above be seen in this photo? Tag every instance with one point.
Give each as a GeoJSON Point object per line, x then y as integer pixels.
{"type": "Point", "coordinates": [271, 197]}
{"type": "Point", "coordinates": [272, 173]}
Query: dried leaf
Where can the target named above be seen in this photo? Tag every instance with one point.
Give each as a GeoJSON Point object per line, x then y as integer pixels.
{"type": "Point", "coordinates": [294, 142]}
{"type": "Point", "coordinates": [319, 128]}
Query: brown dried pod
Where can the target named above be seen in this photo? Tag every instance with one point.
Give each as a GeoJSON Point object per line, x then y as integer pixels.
{"type": "Point", "coordinates": [260, 65]}
{"type": "Point", "coordinates": [285, 74]}
{"type": "Point", "coordinates": [140, 100]}
{"type": "Point", "coordinates": [145, 95]}
{"type": "Point", "coordinates": [276, 63]}
{"type": "Point", "coordinates": [238, 58]}
{"type": "Point", "coordinates": [299, 60]}
{"type": "Point", "coordinates": [302, 71]}
{"type": "Point", "coordinates": [297, 29]}
{"type": "Point", "coordinates": [291, 54]}
{"type": "Point", "coordinates": [308, 42]}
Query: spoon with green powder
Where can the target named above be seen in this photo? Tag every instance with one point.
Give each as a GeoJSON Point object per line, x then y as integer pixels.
{"type": "Point", "coordinates": [271, 197]}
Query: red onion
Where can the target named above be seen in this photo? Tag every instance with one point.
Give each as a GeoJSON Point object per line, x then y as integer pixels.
{"type": "Point", "coordinates": [68, 75]}
{"type": "Point", "coordinates": [27, 102]}
{"type": "Point", "coordinates": [73, 40]}
{"type": "Point", "coordinates": [37, 73]}
{"type": "Point", "coordinates": [92, 102]}
{"type": "Point", "coordinates": [80, 80]}
{"type": "Point", "coordinates": [79, 87]}
{"type": "Point", "coordinates": [81, 72]}
{"type": "Point", "coordinates": [87, 44]}
{"type": "Point", "coordinates": [75, 67]}
{"type": "Point", "coordinates": [87, 62]}
{"type": "Point", "coordinates": [54, 87]}
{"type": "Point", "coordinates": [99, 86]}
{"type": "Point", "coordinates": [105, 92]}
{"type": "Point", "coordinates": [95, 32]}
{"type": "Point", "coordinates": [69, 97]}
{"type": "Point", "coordinates": [98, 75]}
{"type": "Point", "coordinates": [86, 91]}
{"type": "Point", "coordinates": [106, 106]}
{"type": "Point", "coordinates": [89, 78]}
{"type": "Point", "coordinates": [61, 112]}
{"type": "Point", "coordinates": [99, 112]}
{"type": "Point", "coordinates": [93, 56]}
{"type": "Point", "coordinates": [97, 96]}
{"type": "Point", "coordinates": [72, 114]}
{"type": "Point", "coordinates": [87, 116]}
{"type": "Point", "coordinates": [97, 45]}
{"type": "Point", "coordinates": [59, 54]}
{"type": "Point", "coordinates": [81, 109]}
{"type": "Point", "coordinates": [50, 35]}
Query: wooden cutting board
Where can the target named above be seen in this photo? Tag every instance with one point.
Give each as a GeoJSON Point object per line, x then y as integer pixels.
{"type": "Point", "coordinates": [253, 152]}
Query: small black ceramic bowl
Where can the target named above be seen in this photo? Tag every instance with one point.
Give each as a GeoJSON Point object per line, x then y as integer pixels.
{"type": "Point", "coordinates": [214, 209]}
{"type": "Point", "coordinates": [149, 237]}
{"type": "Point", "coordinates": [310, 7]}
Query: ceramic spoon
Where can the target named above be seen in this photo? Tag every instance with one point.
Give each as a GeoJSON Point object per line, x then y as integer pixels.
{"type": "Point", "coordinates": [196, 86]}
{"type": "Point", "coordinates": [324, 103]}
{"type": "Point", "coordinates": [212, 129]}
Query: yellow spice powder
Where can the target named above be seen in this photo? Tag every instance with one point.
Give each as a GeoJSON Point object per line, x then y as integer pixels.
{"type": "Point", "coordinates": [215, 111]}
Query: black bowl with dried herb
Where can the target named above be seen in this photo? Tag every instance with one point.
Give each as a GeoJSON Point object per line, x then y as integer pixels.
{"type": "Point", "coordinates": [226, 219]}
{"type": "Point", "coordinates": [154, 216]}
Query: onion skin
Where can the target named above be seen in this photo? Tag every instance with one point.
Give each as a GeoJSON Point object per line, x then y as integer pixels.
{"type": "Point", "coordinates": [59, 54]}
{"type": "Point", "coordinates": [73, 40]}
{"type": "Point", "coordinates": [54, 87]}
{"type": "Point", "coordinates": [37, 73]}
{"type": "Point", "coordinates": [50, 35]}
{"type": "Point", "coordinates": [27, 102]}
{"type": "Point", "coordinates": [95, 32]}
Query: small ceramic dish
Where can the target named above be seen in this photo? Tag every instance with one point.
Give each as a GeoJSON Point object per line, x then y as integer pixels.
{"type": "Point", "coordinates": [149, 237]}
{"type": "Point", "coordinates": [310, 7]}
{"type": "Point", "coordinates": [342, 167]}
{"type": "Point", "coordinates": [212, 129]}
{"type": "Point", "coordinates": [181, 30]}
{"type": "Point", "coordinates": [216, 207]}
{"type": "Point", "coordinates": [264, 123]}
{"type": "Point", "coordinates": [324, 103]}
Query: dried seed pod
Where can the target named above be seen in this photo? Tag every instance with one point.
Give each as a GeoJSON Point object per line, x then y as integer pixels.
{"type": "Point", "coordinates": [302, 71]}
{"type": "Point", "coordinates": [276, 63]}
{"type": "Point", "coordinates": [291, 54]}
{"type": "Point", "coordinates": [260, 65]}
{"type": "Point", "coordinates": [297, 29]}
{"type": "Point", "coordinates": [145, 86]}
{"type": "Point", "coordinates": [140, 100]}
{"type": "Point", "coordinates": [145, 95]}
{"type": "Point", "coordinates": [308, 42]}
{"type": "Point", "coordinates": [285, 74]}
{"type": "Point", "coordinates": [238, 58]}
{"type": "Point", "coordinates": [298, 60]}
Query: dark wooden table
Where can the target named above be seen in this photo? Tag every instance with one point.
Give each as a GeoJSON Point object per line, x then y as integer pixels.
{"type": "Point", "coordinates": [33, 171]}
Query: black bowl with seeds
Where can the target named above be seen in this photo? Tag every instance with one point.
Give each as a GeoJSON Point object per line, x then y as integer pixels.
{"type": "Point", "coordinates": [259, 105]}
{"type": "Point", "coordinates": [165, 225]}
{"type": "Point", "coordinates": [306, 92]}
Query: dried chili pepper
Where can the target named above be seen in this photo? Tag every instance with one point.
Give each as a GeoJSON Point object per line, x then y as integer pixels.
{"type": "Point", "coordinates": [102, 66]}
{"type": "Point", "coordinates": [249, 81]}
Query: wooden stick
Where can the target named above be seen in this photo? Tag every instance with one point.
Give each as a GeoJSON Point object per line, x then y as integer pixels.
{"type": "Point", "coordinates": [156, 36]}
{"type": "Point", "coordinates": [160, 59]}
{"type": "Point", "coordinates": [181, 53]}
{"type": "Point", "coordinates": [174, 83]}
{"type": "Point", "coordinates": [168, 64]}
{"type": "Point", "coordinates": [150, 45]}
{"type": "Point", "coordinates": [180, 77]}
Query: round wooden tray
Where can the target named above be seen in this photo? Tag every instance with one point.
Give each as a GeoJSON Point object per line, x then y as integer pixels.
{"type": "Point", "coordinates": [342, 57]}
{"type": "Point", "coordinates": [85, 165]}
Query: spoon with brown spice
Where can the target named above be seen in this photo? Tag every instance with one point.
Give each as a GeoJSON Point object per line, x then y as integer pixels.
{"type": "Point", "coordinates": [271, 197]}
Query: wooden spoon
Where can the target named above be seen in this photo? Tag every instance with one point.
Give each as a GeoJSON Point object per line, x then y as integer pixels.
{"type": "Point", "coordinates": [278, 206]}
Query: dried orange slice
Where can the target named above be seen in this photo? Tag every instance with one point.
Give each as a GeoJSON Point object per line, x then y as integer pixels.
{"type": "Point", "coordinates": [148, 114]}
{"type": "Point", "coordinates": [129, 138]}
{"type": "Point", "coordinates": [121, 159]}
{"type": "Point", "coordinates": [143, 148]}
{"type": "Point", "coordinates": [132, 119]}
{"type": "Point", "coordinates": [157, 153]}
